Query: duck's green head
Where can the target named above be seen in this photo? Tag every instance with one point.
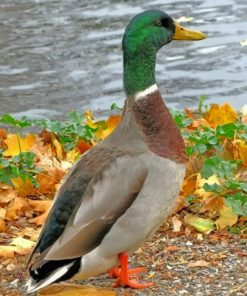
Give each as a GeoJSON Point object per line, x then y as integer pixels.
{"type": "Point", "coordinates": [146, 33]}
{"type": "Point", "coordinates": [152, 29]}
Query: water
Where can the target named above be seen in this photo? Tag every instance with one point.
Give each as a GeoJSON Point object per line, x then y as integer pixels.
{"type": "Point", "coordinates": [59, 55]}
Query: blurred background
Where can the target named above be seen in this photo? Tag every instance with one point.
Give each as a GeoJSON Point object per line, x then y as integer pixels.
{"type": "Point", "coordinates": [62, 55]}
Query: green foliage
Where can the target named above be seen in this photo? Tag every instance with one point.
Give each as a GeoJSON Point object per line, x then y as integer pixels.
{"type": "Point", "coordinates": [70, 131]}
{"type": "Point", "coordinates": [202, 108]}
{"type": "Point", "coordinates": [114, 106]}
{"type": "Point", "coordinates": [180, 118]}
{"type": "Point", "coordinates": [20, 166]}
{"type": "Point", "coordinates": [203, 141]}
{"type": "Point", "coordinates": [238, 202]}
{"type": "Point", "coordinates": [9, 120]}
{"type": "Point", "coordinates": [216, 165]}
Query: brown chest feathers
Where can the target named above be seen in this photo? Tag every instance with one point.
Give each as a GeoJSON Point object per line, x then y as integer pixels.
{"type": "Point", "coordinates": [160, 132]}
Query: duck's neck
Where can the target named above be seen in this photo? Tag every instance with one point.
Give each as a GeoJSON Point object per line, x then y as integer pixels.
{"type": "Point", "coordinates": [139, 71]}
{"type": "Point", "coordinates": [158, 128]}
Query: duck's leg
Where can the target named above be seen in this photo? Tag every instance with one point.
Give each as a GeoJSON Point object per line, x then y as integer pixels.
{"type": "Point", "coordinates": [123, 279]}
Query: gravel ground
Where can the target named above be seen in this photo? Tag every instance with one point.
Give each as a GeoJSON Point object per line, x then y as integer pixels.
{"type": "Point", "coordinates": [214, 265]}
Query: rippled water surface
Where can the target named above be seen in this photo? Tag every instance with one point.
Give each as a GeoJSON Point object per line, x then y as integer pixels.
{"type": "Point", "coordinates": [61, 55]}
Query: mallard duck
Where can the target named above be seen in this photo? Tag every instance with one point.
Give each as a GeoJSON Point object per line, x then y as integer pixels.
{"type": "Point", "coordinates": [123, 189]}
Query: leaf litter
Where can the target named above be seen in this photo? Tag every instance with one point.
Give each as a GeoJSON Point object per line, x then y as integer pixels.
{"type": "Point", "coordinates": [213, 198]}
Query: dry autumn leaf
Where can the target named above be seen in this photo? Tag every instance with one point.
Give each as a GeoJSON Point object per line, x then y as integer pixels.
{"type": "Point", "coordinates": [58, 148]}
{"type": "Point", "coordinates": [227, 218]}
{"type": "Point", "coordinates": [198, 263]}
{"type": "Point", "coordinates": [40, 220]}
{"type": "Point", "coordinates": [198, 223]}
{"type": "Point", "coordinates": [48, 179]}
{"type": "Point", "coordinates": [17, 207]}
{"type": "Point", "coordinates": [7, 251]}
{"type": "Point", "coordinates": [3, 133]}
{"type": "Point", "coordinates": [218, 115]}
{"type": "Point", "coordinates": [112, 122]}
{"type": "Point", "coordinates": [241, 151]}
{"type": "Point", "coordinates": [2, 225]}
{"type": "Point", "coordinates": [102, 132]}
{"type": "Point", "coordinates": [75, 290]}
{"type": "Point", "coordinates": [200, 191]}
{"type": "Point", "coordinates": [22, 243]}
{"type": "Point", "coordinates": [40, 206]}
{"type": "Point", "coordinates": [17, 144]}
{"type": "Point", "coordinates": [23, 187]}
{"type": "Point", "coordinates": [172, 248]}
{"type": "Point", "coordinates": [7, 195]}
{"type": "Point", "coordinates": [29, 232]}
{"type": "Point", "coordinates": [73, 155]}
{"type": "Point", "coordinates": [176, 224]}
{"type": "Point", "coordinates": [214, 204]}
{"type": "Point", "coordinates": [2, 213]}
{"type": "Point", "coordinates": [189, 185]}
{"type": "Point", "coordinates": [82, 146]}
{"type": "Point", "coordinates": [10, 251]}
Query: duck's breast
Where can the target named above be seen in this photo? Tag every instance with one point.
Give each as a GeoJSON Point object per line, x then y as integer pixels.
{"type": "Point", "coordinates": [154, 203]}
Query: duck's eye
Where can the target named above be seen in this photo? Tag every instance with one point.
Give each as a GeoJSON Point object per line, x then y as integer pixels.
{"type": "Point", "coordinates": [166, 22]}
{"type": "Point", "coordinates": [158, 23]}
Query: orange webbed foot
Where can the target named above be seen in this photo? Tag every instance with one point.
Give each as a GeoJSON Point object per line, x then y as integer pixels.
{"type": "Point", "coordinates": [123, 275]}
{"type": "Point", "coordinates": [115, 271]}
{"type": "Point", "coordinates": [131, 284]}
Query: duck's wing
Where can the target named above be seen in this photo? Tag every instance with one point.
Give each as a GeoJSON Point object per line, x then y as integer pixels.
{"type": "Point", "coordinates": [71, 193]}
{"type": "Point", "coordinates": [109, 193]}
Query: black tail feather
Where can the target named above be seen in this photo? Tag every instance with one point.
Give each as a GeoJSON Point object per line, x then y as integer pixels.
{"type": "Point", "coordinates": [42, 272]}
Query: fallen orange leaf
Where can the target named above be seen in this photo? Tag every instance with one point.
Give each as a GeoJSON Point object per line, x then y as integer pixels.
{"type": "Point", "coordinates": [199, 122]}
{"type": "Point", "coordinates": [40, 220]}
{"type": "Point", "coordinates": [198, 263]}
{"type": "Point", "coordinates": [22, 243]}
{"type": "Point", "coordinates": [58, 148]}
{"type": "Point", "coordinates": [7, 195]}
{"type": "Point", "coordinates": [30, 232]}
{"type": "Point", "coordinates": [112, 123]}
{"type": "Point", "coordinates": [176, 224]}
{"type": "Point", "coordinates": [83, 146]}
{"type": "Point", "coordinates": [23, 187]}
{"type": "Point", "coordinates": [17, 144]}
{"type": "Point", "coordinates": [73, 155]}
{"type": "Point", "coordinates": [17, 207]}
{"type": "Point", "coordinates": [7, 251]}
{"type": "Point", "coordinates": [198, 223]}
{"type": "Point", "coordinates": [2, 213]}
{"type": "Point", "coordinates": [2, 225]}
{"type": "Point", "coordinates": [172, 248]}
{"type": "Point", "coordinates": [3, 133]}
{"type": "Point", "coordinates": [241, 151]}
{"type": "Point", "coordinates": [227, 218]}
{"type": "Point", "coordinates": [40, 205]}
{"type": "Point", "coordinates": [214, 203]}
{"type": "Point", "coordinates": [10, 251]}
{"type": "Point", "coordinates": [189, 185]}
{"type": "Point", "coordinates": [218, 115]}
{"type": "Point", "coordinates": [48, 179]}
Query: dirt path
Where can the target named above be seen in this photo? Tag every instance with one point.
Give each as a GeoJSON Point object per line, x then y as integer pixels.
{"type": "Point", "coordinates": [220, 262]}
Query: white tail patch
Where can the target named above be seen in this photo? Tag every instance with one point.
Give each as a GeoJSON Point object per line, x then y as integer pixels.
{"type": "Point", "coordinates": [146, 92]}
{"type": "Point", "coordinates": [32, 286]}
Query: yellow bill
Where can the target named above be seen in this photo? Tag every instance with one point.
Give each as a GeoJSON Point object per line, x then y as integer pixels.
{"type": "Point", "coordinates": [182, 33]}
